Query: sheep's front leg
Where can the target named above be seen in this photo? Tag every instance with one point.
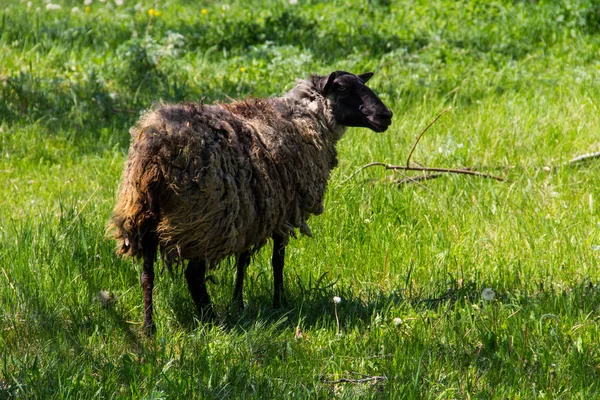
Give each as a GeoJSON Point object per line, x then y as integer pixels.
{"type": "Point", "coordinates": [277, 261]}
{"type": "Point", "coordinates": [243, 260]}
{"type": "Point", "coordinates": [195, 277]}
{"type": "Point", "coordinates": [149, 248]}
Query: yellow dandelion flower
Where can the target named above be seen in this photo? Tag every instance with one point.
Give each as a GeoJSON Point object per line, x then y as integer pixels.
{"type": "Point", "coordinates": [242, 69]}
{"type": "Point", "coordinates": [88, 9]}
{"type": "Point", "coordinates": [204, 11]}
{"type": "Point", "coordinates": [157, 13]}
{"type": "Point", "coordinates": [151, 12]}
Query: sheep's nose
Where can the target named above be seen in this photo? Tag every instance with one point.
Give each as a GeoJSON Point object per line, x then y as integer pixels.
{"type": "Point", "coordinates": [388, 113]}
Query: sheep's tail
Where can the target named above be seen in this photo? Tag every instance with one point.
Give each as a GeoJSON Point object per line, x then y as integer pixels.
{"type": "Point", "coordinates": [137, 211]}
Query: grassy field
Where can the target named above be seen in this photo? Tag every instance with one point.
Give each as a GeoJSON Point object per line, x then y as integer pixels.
{"type": "Point", "coordinates": [409, 262]}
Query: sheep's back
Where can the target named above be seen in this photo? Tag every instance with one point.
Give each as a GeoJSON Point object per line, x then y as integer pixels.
{"type": "Point", "coordinates": [219, 197]}
{"type": "Point", "coordinates": [227, 177]}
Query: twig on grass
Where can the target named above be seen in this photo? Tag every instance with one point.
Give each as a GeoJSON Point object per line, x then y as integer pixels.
{"type": "Point", "coordinates": [438, 171]}
{"type": "Point", "coordinates": [369, 379]}
{"type": "Point", "coordinates": [428, 169]}
{"type": "Point", "coordinates": [422, 133]}
{"type": "Point", "coordinates": [583, 158]}
{"type": "Point", "coordinates": [416, 179]}
{"type": "Point", "coordinates": [125, 110]}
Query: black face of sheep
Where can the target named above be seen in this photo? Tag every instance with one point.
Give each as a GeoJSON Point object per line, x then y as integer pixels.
{"type": "Point", "coordinates": [204, 183]}
{"type": "Point", "coordinates": [354, 104]}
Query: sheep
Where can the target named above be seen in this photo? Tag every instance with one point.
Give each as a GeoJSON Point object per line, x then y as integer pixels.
{"type": "Point", "coordinates": [204, 183]}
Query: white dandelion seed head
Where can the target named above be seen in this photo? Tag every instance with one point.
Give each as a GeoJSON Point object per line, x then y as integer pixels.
{"type": "Point", "coordinates": [87, 2]}
{"type": "Point", "coordinates": [118, 3]}
{"type": "Point", "coordinates": [29, 4]}
{"type": "Point", "coordinates": [53, 7]}
{"type": "Point", "coordinates": [105, 297]}
{"type": "Point", "coordinates": [488, 294]}
{"type": "Point", "coordinates": [75, 10]}
{"type": "Point", "coordinates": [337, 299]}
{"type": "Point", "coordinates": [398, 321]}
{"type": "Point", "coordinates": [293, 2]}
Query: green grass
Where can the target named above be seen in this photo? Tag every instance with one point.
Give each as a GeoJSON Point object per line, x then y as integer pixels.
{"type": "Point", "coordinates": [522, 79]}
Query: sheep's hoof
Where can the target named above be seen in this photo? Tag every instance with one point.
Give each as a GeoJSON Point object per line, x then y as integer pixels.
{"type": "Point", "coordinates": [238, 303]}
{"type": "Point", "coordinates": [149, 329]}
{"type": "Point", "coordinates": [279, 302]}
{"type": "Point", "coordinates": [206, 314]}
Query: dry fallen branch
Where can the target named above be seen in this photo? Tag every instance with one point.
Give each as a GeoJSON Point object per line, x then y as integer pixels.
{"type": "Point", "coordinates": [369, 379]}
{"type": "Point", "coordinates": [438, 171]}
{"type": "Point", "coordinates": [422, 133]}
{"type": "Point", "coordinates": [416, 179]}
{"type": "Point", "coordinates": [125, 110]}
{"type": "Point", "coordinates": [428, 169]}
{"type": "Point", "coordinates": [583, 158]}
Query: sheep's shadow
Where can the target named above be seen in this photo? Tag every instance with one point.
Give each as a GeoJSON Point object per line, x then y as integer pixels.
{"type": "Point", "coordinates": [312, 305]}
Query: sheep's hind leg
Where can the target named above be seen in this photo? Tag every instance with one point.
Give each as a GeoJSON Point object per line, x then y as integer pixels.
{"type": "Point", "coordinates": [149, 248]}
{"type": "Point", "coordinates": [243, 260]}
{"type": "Point", "coordinates": [277, 261]}
{"type": "Point", "coordinates": [195, 277]}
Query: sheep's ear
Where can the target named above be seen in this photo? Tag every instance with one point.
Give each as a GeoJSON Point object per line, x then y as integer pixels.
{"type": "Point", "coordinates": [328, 83]}
{"type": "Point", "coordinates": [366, 76]}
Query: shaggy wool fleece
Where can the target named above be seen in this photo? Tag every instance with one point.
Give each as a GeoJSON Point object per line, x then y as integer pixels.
{"type": "Point", "coordinates": [216, 180]}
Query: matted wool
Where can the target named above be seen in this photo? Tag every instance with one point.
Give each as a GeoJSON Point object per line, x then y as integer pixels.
{"type": "Point", "coordinates": [216, 180]}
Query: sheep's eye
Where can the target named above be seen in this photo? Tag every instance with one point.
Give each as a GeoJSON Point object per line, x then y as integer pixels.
{"type": "Point", "coordinates": [341, 89]}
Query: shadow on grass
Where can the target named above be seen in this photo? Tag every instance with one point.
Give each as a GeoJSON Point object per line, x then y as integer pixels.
{"type": "Point", "coordinates": [288, 29]}
{"type": "Point", "coordinates": [310, 303]}
{"type": "Point", "coordinates": [315, 308]}
{"type": "Point", "coordinates": [67, 319]}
